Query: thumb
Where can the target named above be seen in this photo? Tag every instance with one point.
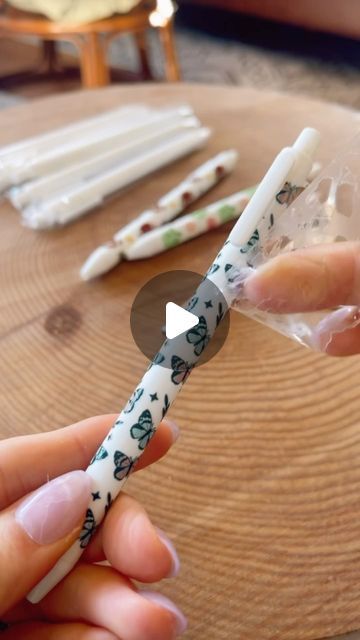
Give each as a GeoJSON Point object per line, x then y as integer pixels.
{"type": "Point", "coordinates": [35, 532]}
{"type": "Point", "coordinates": [319, 277]}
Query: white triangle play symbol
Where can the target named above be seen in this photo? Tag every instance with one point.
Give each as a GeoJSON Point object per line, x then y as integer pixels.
{"type": "Point", "coordinates": [178, 320]}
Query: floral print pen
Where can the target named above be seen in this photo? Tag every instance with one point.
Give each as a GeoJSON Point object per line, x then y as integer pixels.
{"type": "Point", "coordinates": [204, 178]}
{"type": "Point", "coordinates": [187, 227]}
{"type": "Point", "coordinates": [136, 424]}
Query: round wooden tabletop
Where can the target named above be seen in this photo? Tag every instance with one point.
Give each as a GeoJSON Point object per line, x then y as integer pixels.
{"type": "Point", "coordinates": [267, 517]}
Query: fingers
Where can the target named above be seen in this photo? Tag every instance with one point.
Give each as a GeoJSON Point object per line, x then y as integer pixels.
{"type": "Point", "coordinates": [319, 277]}
{"type": "Point", "coordinates": [49, 455]}
{"type": "Point", "coordinates": [145, 553]}
{"type": "Point", "coordinates": [43, 631]}
{"type": "Point", "coordinates": [103, 598]}
{"type": "Point", "coordinates": [37, 531]}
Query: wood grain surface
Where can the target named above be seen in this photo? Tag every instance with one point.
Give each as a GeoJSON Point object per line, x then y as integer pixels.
{"type": "Point", "coordinates": [267, 517]}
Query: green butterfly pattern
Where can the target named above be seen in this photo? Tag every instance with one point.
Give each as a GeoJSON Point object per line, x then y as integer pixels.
{"type": "Point", "coordinates": [152, 398]}
{"type": "Point", "coordinates": [199, 336]}
{"type": "Point", "coordinates": [181, 370]}
{"type": "Point", "coordinates": [134, 399]}
{"type": "Point", "coordinates": [143, 430]}
{"type": "Point", "coordinates": [214, 267]}
{"type": "Point", "coordinates": [88, 530]}
{"type": "Point", "coordinates": [157, 359]}
{"type": "Point", "coordinates": [192, 303]}
{"type": "Point", "coordinates": [100, 454]}
{"type": "Point", "coordinates": [123, 465]}
{"type": "Point", "coordinates": [250, 243]}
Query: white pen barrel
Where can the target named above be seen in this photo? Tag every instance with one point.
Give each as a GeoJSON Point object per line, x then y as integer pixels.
{"type": "Point", "coordinates": [171, 204]}
{"type": "Point", "coordinates": [187, 227]}
{"type": "Point", "coordinates": [38, 144]}
{"type": "Point", "coordinates": [109, 471]}
{"type": "Point", "coordinates": [82, 171]}
{"type": "Point", "coordinates": [195, 185]}
{"type": "Point", "coordinates": [138, 421]}
{"type": "Point", "coordinates": [70, 205]}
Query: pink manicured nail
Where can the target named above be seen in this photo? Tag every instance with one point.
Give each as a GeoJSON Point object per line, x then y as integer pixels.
{"type": "Point", "coordinates": [171, 549]}
{"type": "Point", "coordinates": [55, 509]}
{"type": "Point", "coordinates": [158, 598]}
{"type": "Point", "coordinates": [175, 430]}
{"type": "Point", "coordinates": [336, 322]}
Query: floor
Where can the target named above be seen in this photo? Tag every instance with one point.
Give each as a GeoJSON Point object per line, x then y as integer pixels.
{"type": "Point", "coordinates": [225, 48]}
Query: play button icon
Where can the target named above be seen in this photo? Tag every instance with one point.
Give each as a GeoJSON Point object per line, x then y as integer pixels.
{"type": "Point", "coordinates": [168, 308]}
{"type": "Point", "coordinates": [178, 320]}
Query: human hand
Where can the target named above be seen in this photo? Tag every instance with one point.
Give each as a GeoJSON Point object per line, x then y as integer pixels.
{"type": "Point", "coordinates": [39, 520]}
{"type": "Point", "coordinates": [320, 277]}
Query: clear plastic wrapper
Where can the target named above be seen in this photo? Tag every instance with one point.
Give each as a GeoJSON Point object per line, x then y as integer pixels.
{"type": "Point", "coordinates": [327, 211]}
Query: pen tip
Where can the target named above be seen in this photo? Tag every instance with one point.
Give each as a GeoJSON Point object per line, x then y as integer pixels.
{"type": "Point", "coordinates": [100, 261]}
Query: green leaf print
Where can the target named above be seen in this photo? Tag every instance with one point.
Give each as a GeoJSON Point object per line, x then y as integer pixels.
{"type": "Point", "coordinates": [226, 213]}
{"type": "Point", "coordinates": [220, 314]}
{"type": "Point", "coordinates": [200, 214]}
{"type": "Point", "coordinates": [171, 238]}
{"type": "Point", "coordinates": [166, 405]}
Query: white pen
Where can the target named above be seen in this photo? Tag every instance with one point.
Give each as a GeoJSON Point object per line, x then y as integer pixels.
{"type": "Point", "coordinates": [190, 226]}
{"type": "Point", "coordinates": [68, 205]}
{"type": "Point", "coordinates": [136, 424]}
{"type": "Point", "coordinates": [33, 157]}
{"type": "Point", "coordinates": [170, 205]}
{"type": "Point", "coordinates": [36, 191]}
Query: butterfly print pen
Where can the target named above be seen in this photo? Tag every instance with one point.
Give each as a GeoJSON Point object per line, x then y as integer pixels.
{"type": "Point", "coordinates": [170, 368]}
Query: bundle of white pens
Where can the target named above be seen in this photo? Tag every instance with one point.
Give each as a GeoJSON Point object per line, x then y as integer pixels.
{"type": "Point", "coordinates": [56, 177]}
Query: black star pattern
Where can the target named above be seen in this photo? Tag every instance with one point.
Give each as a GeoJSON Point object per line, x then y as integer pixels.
{"type": "Point", "coordinates": [153, 396]}
{"type": "Point", "coordinates": [96, 496]}
{"type": "Point", "coordinates": [208, 304]}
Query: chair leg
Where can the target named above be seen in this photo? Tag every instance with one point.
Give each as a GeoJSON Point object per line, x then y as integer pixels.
{"type": "Point", "coordinates": [140, 39]}
{"type": "Point", "coordinates": [94, 69]}
{"type": "Point", "coordinates": [172, 71]}
{"type": "Point", "coordinates": [49, 53]}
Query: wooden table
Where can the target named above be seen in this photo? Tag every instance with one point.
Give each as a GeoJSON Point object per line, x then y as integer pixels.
{"type": "Point", "coordinates": [267, 520]}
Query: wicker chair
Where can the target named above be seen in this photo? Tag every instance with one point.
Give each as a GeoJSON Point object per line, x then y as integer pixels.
{"type": "Point", "coordinates": [91, 40]}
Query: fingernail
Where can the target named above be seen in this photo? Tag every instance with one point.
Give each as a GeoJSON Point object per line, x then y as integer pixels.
{"type": "Point", "coordinates": [336, 322]}
{"type": "Point", "coordinates": [54, 510]}
{"type": "Point", "coordinates": [180, 620]}
{"type": "Point", "coordinates": [175, 430]}
{"type": "Point", "coordinates": [172, 551]}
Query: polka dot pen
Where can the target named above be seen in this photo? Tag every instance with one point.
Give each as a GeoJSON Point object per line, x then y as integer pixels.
{"type": "Point", "coordinates": [204, 178]}
{"type": "Point", "coordinates": [171, 366]}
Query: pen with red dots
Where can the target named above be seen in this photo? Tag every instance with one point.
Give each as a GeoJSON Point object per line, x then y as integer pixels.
{"type": "Point", "coordinates": [168, 207]}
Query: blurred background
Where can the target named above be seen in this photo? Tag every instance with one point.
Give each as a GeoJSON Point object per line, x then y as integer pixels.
{"type": "Point", "coordinates": [308, 47]}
